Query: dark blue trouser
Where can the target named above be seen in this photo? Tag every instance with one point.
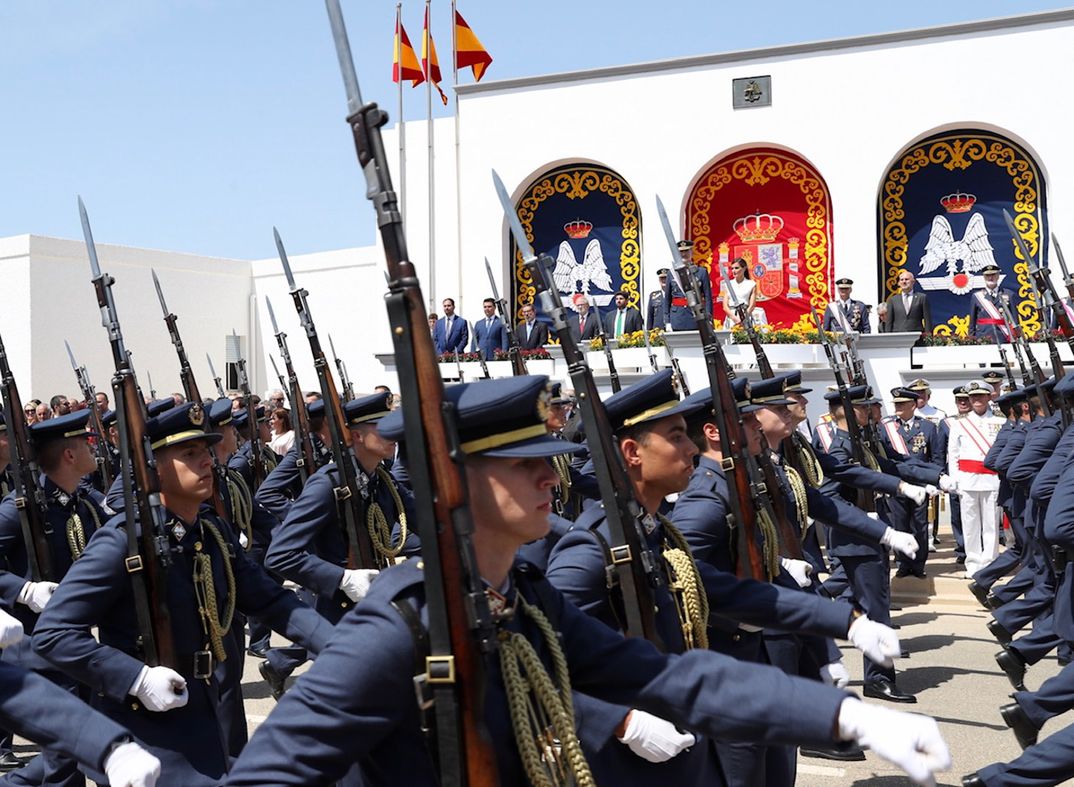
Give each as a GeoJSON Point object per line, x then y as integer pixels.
{"type": "Point", "coordinates": [869, 580]}
{"type": "Point", "coordinates": [1054, 697]}
{"type": "Point", "coordinates": [1049, 762]}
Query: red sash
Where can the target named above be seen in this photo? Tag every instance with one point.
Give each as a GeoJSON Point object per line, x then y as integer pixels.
{"type": "Point", "coordinates": [974, 466]}
{"type": "Point", "coordinates": [994, 316]}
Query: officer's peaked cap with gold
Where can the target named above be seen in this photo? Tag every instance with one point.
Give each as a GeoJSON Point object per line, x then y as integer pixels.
{"type": "Point", "coordinates": [653, 398]}
{"type": "Point", "coordinates": [367, 409]}
{"type": "Point", "coordinates": [180, 424]}
{"type": "Point", "coordinates": [60, 427]}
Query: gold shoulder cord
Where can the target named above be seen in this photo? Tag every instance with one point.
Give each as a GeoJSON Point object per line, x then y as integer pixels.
{"type": "Point", "coordinates": [691, 601]}
{"type": "Point", "coordinates": [269, 460]}
{"type": "Point", "coordinates": [542, 715]}
{"type": "Point", "coordinates": [242, 505]}
{"type": "Point", "coordinates": [807, 458]}
{"type": "Point", "coordinates": [380, 530]}
{"type": "Point", "coordinates": [870, 459]}
{"type": "Point", "coordinates": [205, 589]}
{"type": "Point", "coordinates": [801, 502]}
{"type": "Point", "coordinates": [76, 533]}
{"type": "Point", "coordinates": [562, 466]}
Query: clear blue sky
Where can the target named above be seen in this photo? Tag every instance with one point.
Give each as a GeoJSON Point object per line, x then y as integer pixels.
{"type": "Point", "coordinates": [196, 125]}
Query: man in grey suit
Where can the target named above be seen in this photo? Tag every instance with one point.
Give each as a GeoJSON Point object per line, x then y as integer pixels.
{"type": "Point", "coordinates": [907, 310]}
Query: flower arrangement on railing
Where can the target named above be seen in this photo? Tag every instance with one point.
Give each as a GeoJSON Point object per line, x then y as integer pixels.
{"type": "Point", "coordinates": [459, 357]}
{"type": "Point", "coordinates": [536, 354]}
{"type": "Point", "coordinates": [802, 332]}
{"type": "Point", "coordinates": [635, 339]}
{"type": "Point", "coordinates": [954, 340]}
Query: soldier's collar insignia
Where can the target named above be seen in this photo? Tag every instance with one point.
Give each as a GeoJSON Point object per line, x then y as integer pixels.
{"type": "Point", "coordinates": [501, 607]}
{"type": "Point", "coordinates": [178, 531]}
{"type": "Point", "coordinates": [197, 415]}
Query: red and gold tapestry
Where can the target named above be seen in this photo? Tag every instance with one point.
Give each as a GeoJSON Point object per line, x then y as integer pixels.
{"type": "Point", "coordinates": [772, 208]}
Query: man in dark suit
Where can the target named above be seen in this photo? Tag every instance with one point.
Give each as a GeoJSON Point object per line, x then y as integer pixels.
{"type": "Point", "coordinates": [986, 304]}
{"type": "Point", "coordinates": [450, 334]}
{"type": "Point", "coordinates": [908, 310]}
{"type": "Point", "coordinates": [584, 326]}
{"type": "Point", "coordinates": [490, 334]}
{"type": "Point", "coordinates": [656, 315]}
{"type": "Point", "coordinates": [531, 332]}
{"type": "Point", "coordinates": [625, 319]}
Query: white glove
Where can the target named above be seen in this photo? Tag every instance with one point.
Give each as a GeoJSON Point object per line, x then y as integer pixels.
{"type": "Point", "coordinates": [799, 569]}
{"type": "Point", "coordinates": [912, 491]}
{"type": "Point", "coordinates": [654, 739]}
{"type": "Point", "coordinates": [932, 491]}
{"type": "Point", "coordinates": [877, 641]}
{"type": "Point", "coordinates": [160, 688]}
{"type": "Point", "coordinates": [903, 543]}
{"type": "Point", "coordinates": [909, 740]}
{"type": "Point", "coordinates": [948, 484]}
{"type": "Point", "coordinates": [243, 540]}
{"type": "Point", "coordinates": [10, 629]}
{"type": "Point", "coordinates": [36, 595]}
{"type": "Point", "coordinates": [835, 674]}
{"type": "Point", "coordinates": [356, 582]}
{"type": "Point", "coordinates": [873, 515]}
{"type": "Point", "coordinates": [129, 765]}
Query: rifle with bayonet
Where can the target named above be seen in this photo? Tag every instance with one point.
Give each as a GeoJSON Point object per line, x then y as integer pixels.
{"type": "Point", "coordinates": [862, 448]}
{"type": "Point", "coordinates": [514, 351]}
{"type": "Point", "coordinates": [216, 378]}
{"type": "Point", "coordinates": [613, 373]}
{"type": "Point", "coordinates": [1027, 377]}
{"type": "Point", "coordinates": [152, 390]}
{"type": "Point", "coordinates": [460, 627]}
{"type": "Point", "coordinates": [676, 368]}
{"type": "Point", "coordinates": [186, 374]}
{"type": "Point", "coordinates": [148, 555]}
{"type": "Point", "coordinates": [1003, 358]}
{"type": "Point", "coordinates": [746, 321]}
{"type": "Point", "coordinates": [100, 445]}
{"type": "Point", "coordinates": [1068, 280]}
{"type": "Point", "coordinates": [253, 432]}
{"type": "Point", "coordinates": [649, 351]}
{"type": "Point", "coordinates": [283, 381]}
{"type": "Point", "coordinates": [636, 574]}
{"type": "Point", "coordinates": [306, 460]}
{"type": "Point", "coordinates": [747, 491]}
{"type": "Point", "coordinates": [353, 491]}
{"type": "Point", "coordinates": [344, 381]}
{"type": "Point", "coordinates": [29, 497]}
{"type": "Point", "coordinates": [1036, 374]}
{"type": "Point", "coordinates": [478, 351]}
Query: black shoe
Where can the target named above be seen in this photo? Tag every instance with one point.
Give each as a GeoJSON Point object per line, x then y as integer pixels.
{"type": "Point", "coordinates": [920, 574]}
{"type": "Point", "coordinates": [1014, 665]}
{"type": "Point", "coordinates": [979, 593]}
{"type": "Point", "coordinates": [886, 690]}
{"type": "Point", "coordinates": [274, 679]}
{"type": "Point", "coordinates": [1062, 661]}
{"type": "Point", "coordinates": [1001, 634]}
{"type": "Point", "coordinates": [843, 753]}
{"type": "Point", "coordinates": [961, 560]}
{"type": "Point", "coordinates": [992, 601]}
{"type": "Point", "coordinates": [259, 649]}
{"type": "Point", "coordinates": [903, 572]}
{"type": "Point", "coordinates": [972, 780]}
{"type": "Point", "coordinates": [1024, 730]}
{"type": "Point", "coordinates": [9, 762]}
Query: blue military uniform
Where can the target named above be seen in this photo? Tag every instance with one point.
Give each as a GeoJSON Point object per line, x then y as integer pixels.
{"type": "Point", "coordinates": [986, 307]}
{"type": "Point", "coordinates": [376, 722]}
{"type": "Point", "coordinates": [656, 315]}
{"type": "Point", "coordinates": [678, 313]}
{"type": "Point", "coordinates": [190, 740]}
{"type": "Point", "coordinates": [843, 316]}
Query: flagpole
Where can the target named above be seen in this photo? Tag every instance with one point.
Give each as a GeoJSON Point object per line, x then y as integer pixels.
{"type": "Point", "coordinates": [402, 122]}
{"type": "Point", "coordinates": [458, 154]}
{"type": "Point", "coordinates": [432, 176]}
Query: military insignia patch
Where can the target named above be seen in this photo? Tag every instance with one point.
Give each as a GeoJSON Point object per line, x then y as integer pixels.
{"type": "Point", "coordinates": [197, 415]}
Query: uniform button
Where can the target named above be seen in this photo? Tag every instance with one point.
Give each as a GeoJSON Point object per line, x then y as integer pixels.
{"type": "Point", "coordinates": [135, 706]}
{"type": "Point", "coordinates": [736, 637]}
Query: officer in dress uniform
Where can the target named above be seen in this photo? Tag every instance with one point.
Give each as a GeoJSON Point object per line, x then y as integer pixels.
{"type": "Point", "coordinates": [986, 305]}
{"type": "Point", "coordinates": [62, 451]}
{"type": "Point", "coordinates": [909, 435]}
{"type": "Point", "coordinates": [845, 314]}
{"type": "Point", "coordinates": [318, 730]}
{"type": "Point", "coordinates": [656, 315]}
{"type": "Point", "coordinates": [175, 713]}
{"type": "Point", "coordinates": [978, 487]}
{"type": "Point", "coordinates": [680, 318]}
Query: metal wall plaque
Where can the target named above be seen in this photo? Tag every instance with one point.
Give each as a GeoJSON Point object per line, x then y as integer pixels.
{"type": "Point", "coordinates": [750, 92]}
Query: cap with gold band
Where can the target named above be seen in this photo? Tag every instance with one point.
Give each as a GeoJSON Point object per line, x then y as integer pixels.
{"type": "Point", "coordinates": [497, 418]}
{"type": "Point", "coordinates": [902, 394]}
{"type": "Point", "coordinates": [794, 382]}
{"type": "Point", "coordinates": [859, 394]}
{"type": "Point", "coordinates": [655, 397]}
{"type": "Point", "coordinates": [61, 427]}
{"type": "Point", "coordinates": [741, 388]}
{"type": "Point", "coordinates": [367, 409]}
{"type": "Point", "coordinates": [960, 392]}
{"type": "Point", "coordinates": [770, 392]}
{"type": "Point", "coordinates": [221, 413]}
{"type": "Point", "coordinates": [180, 424]}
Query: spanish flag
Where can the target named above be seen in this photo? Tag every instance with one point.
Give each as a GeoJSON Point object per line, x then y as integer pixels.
{"type": "Point", "coordinates": [405, 64]}
{"type": "Point", "coordinates": [468, 49]}
{"type": "Point", "coordinates": [429, 62]}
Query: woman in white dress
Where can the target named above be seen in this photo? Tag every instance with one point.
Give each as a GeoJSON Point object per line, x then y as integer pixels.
{"type": "Point", "coordinates": [745, 292]}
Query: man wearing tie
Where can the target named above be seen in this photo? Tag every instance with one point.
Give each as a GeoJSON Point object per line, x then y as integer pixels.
{"type": "Point", "coordinates": [986, 305]}
{"type": "Point", "coordinates": [625, 319]}
{"type": "Point", "coordinates": [450, 334]}
{"type": "Point", "coordinates": [844, 314]}
{"type": "Point", "coordinates": [908, 310]}
{"type": "Point", "coordinates": [490, 334]}
{"type": "Point", "coordinates": [531, 332]}
{"type": "Point", "coordinates": [584, 324]}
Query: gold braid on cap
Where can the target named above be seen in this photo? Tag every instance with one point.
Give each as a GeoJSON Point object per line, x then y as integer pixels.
{"type": "Point", "coordinates": [380, 530]}
{"type": "Point", "coordinates": [684, 581]}
{"type": "Point", "coordinates": [542, 713]}
{"type": "Point", "coordinates": [213, 623]}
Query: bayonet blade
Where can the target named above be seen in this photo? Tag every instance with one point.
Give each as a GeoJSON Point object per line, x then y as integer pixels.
{"type": "Point", "coordinates": [332, 347]}
{"type": "Point", "coordinates": [492, 281]}
{"type": "Point", "coordinates": [1059, 256]}
{"type": "Point", "coordinates": [283, 260]}
{"type": "Point", "coordinates": [272, 316]}
{"type": "Point", "coordinates": [160, 292]}
{"type": "Point", "coordinates": [343, 52]}
{"type": "Point", "coordinates": [513, 221]}
{"type": "Point", "coordinates": [275, 368]}
{"type": "Point", "coordinates": [87, 234]}
{"type": "Point", "coordinates": [152, 390]}
{"type": "Point", "coordinates": [677, 263]}
{"type": "Point", "coordinates": [71, 355]}
{"type": "Point", "coordinates": [212, 369]}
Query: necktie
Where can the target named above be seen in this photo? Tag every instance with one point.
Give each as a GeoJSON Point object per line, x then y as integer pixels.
{"type": "Point", "coordinates": [581, 325]}
{"type": "Point", "coordinates": [619, 317]}
{"type": "Point", "coordinates": [488, 323]}
{"type": "Point", "coordinates": [906, 303]}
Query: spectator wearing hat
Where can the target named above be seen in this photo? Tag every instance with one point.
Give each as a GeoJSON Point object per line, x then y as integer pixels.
{"type": "Point", "coordinates": [583, 324]}
{"type": "Point", "coordinates": [987, 304]}
{"type": "Point", "coordinates": [532, 333]}
{"type": "Point", "coordinates": [625, 318]}
{"type": "Point", "coordinates": [907, 310]}
{"type": "Point", "coordinates": [978, 487]}
{"type": "Point", "coordinates": [680, 318]}
{"type": "Point", "coordinates": [656, 315]}
{"type": "Point", "coordinates": [845, 314]}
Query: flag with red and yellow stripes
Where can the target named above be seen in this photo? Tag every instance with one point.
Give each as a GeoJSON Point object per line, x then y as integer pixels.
{"type": "Point", "coordinates": [469, 52]}
{"type": "Point", "coordinates": [405, 63]}
{"type": "Point", "coordinates": [429, 62]}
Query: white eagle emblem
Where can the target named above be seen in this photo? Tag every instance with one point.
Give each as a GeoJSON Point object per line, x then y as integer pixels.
{"type": "Point", "coordinates": [973, 251]}
{"type": "Point", "coordinates": [571, 277]}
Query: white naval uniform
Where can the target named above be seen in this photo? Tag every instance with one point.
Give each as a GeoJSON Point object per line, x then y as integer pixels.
{"type": "Point", "coordinates": [978, 488]}
{"type": "Point", "coordinates": [930, 413]}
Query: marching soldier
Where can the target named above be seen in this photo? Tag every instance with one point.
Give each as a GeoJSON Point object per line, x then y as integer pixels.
{"type": "Point", "coordinates": [986, 305]}
{"type": "Point", "coordinates": [377, 723]}
{"type": "Point", "coordinates": [173, 712]}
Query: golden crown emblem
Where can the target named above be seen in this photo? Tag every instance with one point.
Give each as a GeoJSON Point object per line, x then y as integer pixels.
{"type": "Point", "coordinates": [760, 227]}
{"type": "Point", "coordinates": [579, 228]}
{"type": "Point", "coordinates": [958, 202]}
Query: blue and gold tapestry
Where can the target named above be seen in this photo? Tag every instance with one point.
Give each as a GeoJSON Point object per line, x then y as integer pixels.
{"type": "Point", "coordinates": [584, 217]}
{"type": "Point", "coordinates": [941, 217]}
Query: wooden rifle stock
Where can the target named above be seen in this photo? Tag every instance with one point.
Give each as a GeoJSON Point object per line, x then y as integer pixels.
{"type": "Point", "coordinates": [300, 423]}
